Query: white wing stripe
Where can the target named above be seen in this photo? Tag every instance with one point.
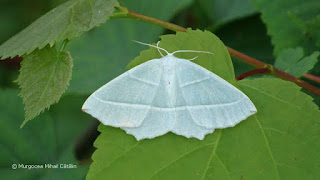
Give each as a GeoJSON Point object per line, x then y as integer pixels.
{"type": "Point", "coordinates": [143, 80]}
{"type": "Point", "coordinates": [194, 82]}
{"type": "Point", "coordinates": [139, 106]}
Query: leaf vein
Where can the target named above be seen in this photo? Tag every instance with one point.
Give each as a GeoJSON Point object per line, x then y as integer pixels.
{"type": "Point", "coordinates": [268, 147]}
{"type": "Point", "coordinates": [49, 80]}
{"type": "Point", "coordinates": [224, 166]}
{"type": "Point", "coordinates": [274, 97]}
{"type": "Point", "coordinates": [212, 154]}
{"type": "Point", "coordinates": [180, 157]}
{"type": "Point", "coordinates": [121, 155]}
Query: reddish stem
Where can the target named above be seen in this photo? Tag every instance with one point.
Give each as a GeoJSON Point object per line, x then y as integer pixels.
{"type": "Point", "coordinates": [312, 77]}
{"type": "Point", "coordinates": [299, 82]}
{"type": "Point", "coordinates": [250, 60]}
{"type": "Point", "coordinates": [253, 72]}
{"type": "Point", "coordinates": [275, 71]}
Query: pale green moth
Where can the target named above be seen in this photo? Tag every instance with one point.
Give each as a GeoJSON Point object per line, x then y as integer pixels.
{"type": "Point", "coordinates": [169, 95]}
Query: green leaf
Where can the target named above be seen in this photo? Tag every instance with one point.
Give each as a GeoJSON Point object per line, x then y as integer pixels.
{"type": "Point", "coordinates": [49, 139]}
{"type": "Point", "coordinates": [64, 22]}
{"type": "Point", "coordinates": [103, 53]}
{"type": "Point", "coordinates": [282, 27]}
{"type": "Point", "coordinates": [279, 142]}
{"type": "Point", "coordinates": [219, 63]}
{"type": "Point", "coordinates": [44, 76]}
{"type": "Point", "coordinates": [222, 12]}
{"type": "Point", "coordinates": [291, 61]}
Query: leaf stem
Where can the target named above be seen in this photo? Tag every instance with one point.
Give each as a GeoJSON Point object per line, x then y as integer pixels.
{"type": "Point", "coordinates": [126, 13]}
{"type": "Point", "coordinates": [63, 45]}
{"type": "Point", "coordinates": [123, 12]}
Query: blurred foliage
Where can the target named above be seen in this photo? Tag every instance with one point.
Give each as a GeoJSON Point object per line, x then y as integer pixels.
{"type": "Point", "coordinates": [222, 12]}
{"type": "Point", "coordinates": [50, 139]}
{"type": "Point", "coordinates": [293, 61]}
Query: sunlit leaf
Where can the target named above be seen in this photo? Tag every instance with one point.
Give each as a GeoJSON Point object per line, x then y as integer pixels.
{"type": "Point", "coordinates": [280, 142]}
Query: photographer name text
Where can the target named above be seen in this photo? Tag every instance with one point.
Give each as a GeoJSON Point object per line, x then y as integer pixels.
{"type": "Point", "coordinates": [43, 166]}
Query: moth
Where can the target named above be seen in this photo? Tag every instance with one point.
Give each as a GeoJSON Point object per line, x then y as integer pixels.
{"type": "Point", "coordinates": [169, 94]}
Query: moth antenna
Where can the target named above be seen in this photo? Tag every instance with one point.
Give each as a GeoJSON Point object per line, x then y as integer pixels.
{"type": "Point", "coordinates": [151, 46]}
{"type": "Point", "coordinates": [179, 51]}
{"type": "Point", "coordinates": [193, 58]}
{"type": "Point", "coordinates": [158, 48]}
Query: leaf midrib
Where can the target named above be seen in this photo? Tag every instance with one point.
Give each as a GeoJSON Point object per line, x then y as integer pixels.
{"type": "Point", "coordinates": [268, 147]}
{"type": "Point", "coordinates": [175, 160]}
{"type": "Point", "coordinates": [211, 156]}
{"type": "Point", "coordinates": [118, 157]}
{"type": "Point", "coordinates": [50, 79]}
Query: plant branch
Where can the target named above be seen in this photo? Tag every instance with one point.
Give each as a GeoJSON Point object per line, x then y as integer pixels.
{"type": "Point", "coordinates": [312, 77]}
{"type": "Point", "coordinates": [253, 72]}
{"type": "Point", "coordinates": [250, 60]}
{"type": "Point", "coordinates": [125, 13]}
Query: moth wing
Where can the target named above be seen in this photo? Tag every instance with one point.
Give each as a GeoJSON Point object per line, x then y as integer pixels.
{"type": "Point", "coordinates": [210, 101]}
{"type": "Point", "coordinates": [126, 100]}
{"type": "Point", "coordinates": [160, 118]}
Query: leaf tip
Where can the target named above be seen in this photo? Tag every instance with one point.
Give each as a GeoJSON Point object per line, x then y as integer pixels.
{"type": "Point", "coordinates": [24, 122]}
